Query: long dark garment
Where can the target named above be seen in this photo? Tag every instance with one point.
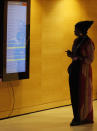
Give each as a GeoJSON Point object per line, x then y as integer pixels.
{"type": "Point", "coordinates": [74, 90]}
{"type": "Point", "coordinates": [80, 79]}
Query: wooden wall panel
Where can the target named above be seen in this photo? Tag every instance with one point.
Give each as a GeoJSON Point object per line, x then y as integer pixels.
{"type": "Point", "coordinates": [52, 32]}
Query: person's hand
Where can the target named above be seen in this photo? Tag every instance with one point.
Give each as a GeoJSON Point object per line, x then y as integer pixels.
{"type": "Point", "coordinates": [69, 53]}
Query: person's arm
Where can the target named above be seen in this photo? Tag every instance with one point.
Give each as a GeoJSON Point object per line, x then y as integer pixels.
{"type": "Point", "coordinates": [88, 52]}
{"type": "Point", "coordinates": [70, 53]}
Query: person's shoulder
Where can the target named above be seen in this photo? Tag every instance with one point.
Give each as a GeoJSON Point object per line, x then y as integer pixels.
{"type": "Point", "coordinates": [90, 42]}
{"type": "Point", "coordinates": [76, 39]}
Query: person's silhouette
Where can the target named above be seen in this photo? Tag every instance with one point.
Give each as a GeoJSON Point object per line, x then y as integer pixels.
{"type": "Point", "coordinates": [80, 74]}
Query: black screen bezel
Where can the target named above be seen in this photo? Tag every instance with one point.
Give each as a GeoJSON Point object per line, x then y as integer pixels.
{"type": "Point", "coordinates": [19, 75]}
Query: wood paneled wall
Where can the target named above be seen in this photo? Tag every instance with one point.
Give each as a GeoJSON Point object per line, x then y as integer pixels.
{"type": "Point", "coordinates": [52, 32]}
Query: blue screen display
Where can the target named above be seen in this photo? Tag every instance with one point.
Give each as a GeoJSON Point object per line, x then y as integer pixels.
{"type": "Point", "coordinates": [16, 37]}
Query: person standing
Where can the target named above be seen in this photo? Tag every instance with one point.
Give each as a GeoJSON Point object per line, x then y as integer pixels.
{"type": "Point", "coordinates": [80, 74]}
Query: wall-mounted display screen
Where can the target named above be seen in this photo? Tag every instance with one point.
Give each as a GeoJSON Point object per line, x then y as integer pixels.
{"type": "Point", "coordinates": [16, 39]}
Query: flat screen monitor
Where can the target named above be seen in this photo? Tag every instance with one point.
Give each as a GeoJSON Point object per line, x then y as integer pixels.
{"type": "Point", "coordinates": [16, 39]}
